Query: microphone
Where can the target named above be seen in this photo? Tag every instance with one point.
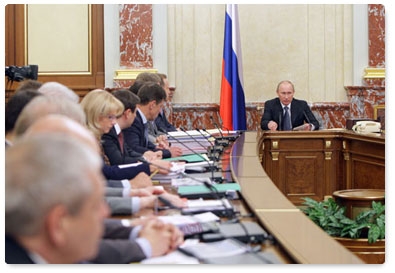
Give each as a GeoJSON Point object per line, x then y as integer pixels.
{"type": "Point", "coordinates": [280, 120]}
{"type": "Point", "coordinates": [212, 167]}
{"type": "Point", "coordinates": [196, 140]}
{"type": "Point", "coordinates": [222, 140]}
{"type": "Point", "coordinates": [227, 211]}
{"type": "Point", "coordinates": [213, 148]}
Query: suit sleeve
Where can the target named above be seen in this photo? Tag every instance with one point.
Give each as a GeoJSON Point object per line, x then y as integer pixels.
{"type": "Point", "coordinates": [134, 137]}
{"type": "Point", "coordinates": [268, 115]}
{"type": "Point", "coordinates": [118, 251]}
{"type": "Point", "coordinates": [112, 191]}
{"type": "Point", "coordinates": [114, 229]}
{"type": "Point", "coordinates": [119, 205]}
{"type": "Point", "coordinates": [116, 173]}
{"type": "Point", "coordinates": [310, 117]}
{"type": "Point", "coordinates": [163, 124]}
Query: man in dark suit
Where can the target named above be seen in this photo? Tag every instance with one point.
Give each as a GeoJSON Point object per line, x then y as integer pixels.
{"type": "Point", "coordinates": [286, 113]}
{"type": "Point", "coordinates": [161, 122]}
{"type": "Point", "coordinates": [152, 97]}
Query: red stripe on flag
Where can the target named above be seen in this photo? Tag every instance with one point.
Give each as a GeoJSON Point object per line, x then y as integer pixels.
{"type": "Point", "coordinates": [225, 109]}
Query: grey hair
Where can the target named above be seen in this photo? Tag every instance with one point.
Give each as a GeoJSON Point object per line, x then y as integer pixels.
{"type": "Point", "coordinates": [45, 105]}
{"type": "Point", "coordinates": [55, 89]}
{"type": "Point", "coordinates": [42, 171]}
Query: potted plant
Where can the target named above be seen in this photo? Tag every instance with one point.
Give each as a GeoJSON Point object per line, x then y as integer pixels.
{"type": "Point", "coordinates": [363, 235]}
{"type": "Point", "coordinates": [331, 218]}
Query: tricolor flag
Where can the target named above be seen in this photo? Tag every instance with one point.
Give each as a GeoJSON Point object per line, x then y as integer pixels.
{"type": "Point", "coordinates": [232, 104]}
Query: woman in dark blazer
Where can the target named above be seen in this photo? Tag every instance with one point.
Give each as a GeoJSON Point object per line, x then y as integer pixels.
{"type": "Point", "coordinates": [102, 109]}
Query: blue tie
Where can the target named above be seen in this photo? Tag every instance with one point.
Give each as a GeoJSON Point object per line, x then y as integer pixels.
{"type": "Point", "coordinates": [286, 121]}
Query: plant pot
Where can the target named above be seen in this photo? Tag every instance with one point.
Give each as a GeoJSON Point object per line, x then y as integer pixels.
{"type": "Point", "coordinates": [370, 253]}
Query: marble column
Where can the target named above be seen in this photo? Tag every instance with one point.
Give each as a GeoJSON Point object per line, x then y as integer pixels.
{"type": "Point", "coordinates": [136, 43]}
{"type": "Point", "coordinates": [365, 99]}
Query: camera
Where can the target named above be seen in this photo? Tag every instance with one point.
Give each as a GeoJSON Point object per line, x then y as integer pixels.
{"type": "Point", "coordinates": [20, 73]}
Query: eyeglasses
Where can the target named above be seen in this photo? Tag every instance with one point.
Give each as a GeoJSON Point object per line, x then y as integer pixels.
{"type": "Point", "coordinates": [113, 117]}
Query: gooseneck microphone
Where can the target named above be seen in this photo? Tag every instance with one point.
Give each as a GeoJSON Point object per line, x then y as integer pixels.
{"type": "Point", "coordinates": [222, 141]}
{"type": "Point", "coordinates": [214, 148]}
{"type": "Point", "coordinates": [196, 140]}
{"type": "Point", "coordinates": [213, 191]}
{"type": "Point", "coordinates": [280, 121]}
{"type": "Point", "coordinates": [212, 167]}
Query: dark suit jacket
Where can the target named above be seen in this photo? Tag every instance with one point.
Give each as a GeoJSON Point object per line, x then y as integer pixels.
{"type": "Point", "coordinates": [15, 253]}
{"type": "Point", "coordinates": [116, 173]}
{"type": "Point", "coordinates": [163, 124]}
{"type": "Point", "coordinates": [300, 113]}
{"type": "Point", "coordinates": [115, 247]}
{"type": "Point", "coordinates": [112, 149]}
{"type": "Point", "coordinates": [135, 138]}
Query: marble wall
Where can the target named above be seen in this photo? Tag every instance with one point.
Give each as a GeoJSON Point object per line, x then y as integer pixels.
{"type": "Point", "coordinates": [359, 101]}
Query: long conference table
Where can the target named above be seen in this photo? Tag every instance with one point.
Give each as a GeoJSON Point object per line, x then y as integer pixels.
{"type": "Point", "coordinates": [299, 240]}
{"type": "Point", "coordinates": [295, 238]}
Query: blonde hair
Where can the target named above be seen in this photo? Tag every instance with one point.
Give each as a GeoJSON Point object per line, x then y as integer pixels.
{"type": "Point", "coordinates": [98, 103]}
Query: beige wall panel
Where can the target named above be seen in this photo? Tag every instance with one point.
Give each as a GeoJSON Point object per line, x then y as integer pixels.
{"type": "Point", "coordinates": [58, 38]}
{"type": "Point", "coordinates": [303, 43]}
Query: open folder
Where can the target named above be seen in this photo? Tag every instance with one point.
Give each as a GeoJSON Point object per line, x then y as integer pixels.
{"type": "Point", "coordinates": [201, 191]}
{"type": "Point", "coordinates": [189, 158]}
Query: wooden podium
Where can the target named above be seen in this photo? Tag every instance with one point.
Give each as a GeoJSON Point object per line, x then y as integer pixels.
{"type": "Point", "coordinates": [297, 237]}
{"type": "Point", "coordinates": [315, 164]}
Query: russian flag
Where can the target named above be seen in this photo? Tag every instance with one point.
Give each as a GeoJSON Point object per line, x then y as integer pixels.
{"type": "Point", "coordinates": [232, 103]}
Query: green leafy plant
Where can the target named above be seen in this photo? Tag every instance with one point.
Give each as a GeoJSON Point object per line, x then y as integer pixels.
{"type": "Point", "coordinates": [331, 218]}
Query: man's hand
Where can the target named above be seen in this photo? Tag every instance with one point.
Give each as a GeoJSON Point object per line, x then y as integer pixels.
{"type": "Point", "coordinates": [175, 151]}
{"type": "Point", "coordinates": [162, 141]}
{"type": "Point", "coordinates": [307, 127]}
{"type": "Point", "coordinates": [272, 125]}
{"type": "Point", "coordinates": [161, 166]}
{"type": "Point", "coordinates": [151, 155]}
{"type": "Point", "coordinates": [160, 236]}
{"type": "Point", "coordinates": [141, 180]}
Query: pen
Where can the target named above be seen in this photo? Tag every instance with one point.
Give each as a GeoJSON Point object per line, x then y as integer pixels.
{"type": "Point", "coordinates": [152, 174]}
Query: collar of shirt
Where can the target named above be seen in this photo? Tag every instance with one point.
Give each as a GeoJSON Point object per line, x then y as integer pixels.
{"type": "Point", "coordinates": [36, 258]}
{"type": "Point", "coordinates": [289, 106]}
{"type": "Point", "coordinates": [117, 128]}
{"type": "Point", "coordinates": [143, 118]}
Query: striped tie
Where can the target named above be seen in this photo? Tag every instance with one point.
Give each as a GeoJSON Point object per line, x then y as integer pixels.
{"type": "Point", "coordinates": [287, 120]}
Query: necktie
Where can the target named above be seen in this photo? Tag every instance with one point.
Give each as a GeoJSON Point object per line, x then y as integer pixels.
{"type": "Point", "coordinates": [120, 139]}
{"type": "Point", "coordinates": [286, 120]}
{"type": "Point", "coordinates": [153, 130]}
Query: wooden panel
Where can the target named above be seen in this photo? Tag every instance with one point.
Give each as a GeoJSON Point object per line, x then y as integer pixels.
{"type": "Point", "coordinates": [296, 235]}
{"type": "Point", "coordinates": [299, 176]}
{"type": "Point", "coordinates": [81, 84]}
{"type": "Point", "coordinates": [315, 164]}
{"type": "Point", "coordinates": [367, 174]}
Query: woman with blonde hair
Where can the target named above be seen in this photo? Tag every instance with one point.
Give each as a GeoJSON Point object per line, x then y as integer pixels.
{"type": "Point", "coordinates": [102, 109]}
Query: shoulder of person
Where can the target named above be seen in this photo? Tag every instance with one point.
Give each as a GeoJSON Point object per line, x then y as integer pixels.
{"type": "Point", "coordinates": [272, 101]}
{"type": "Point", "coordinates": [299, 101]}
